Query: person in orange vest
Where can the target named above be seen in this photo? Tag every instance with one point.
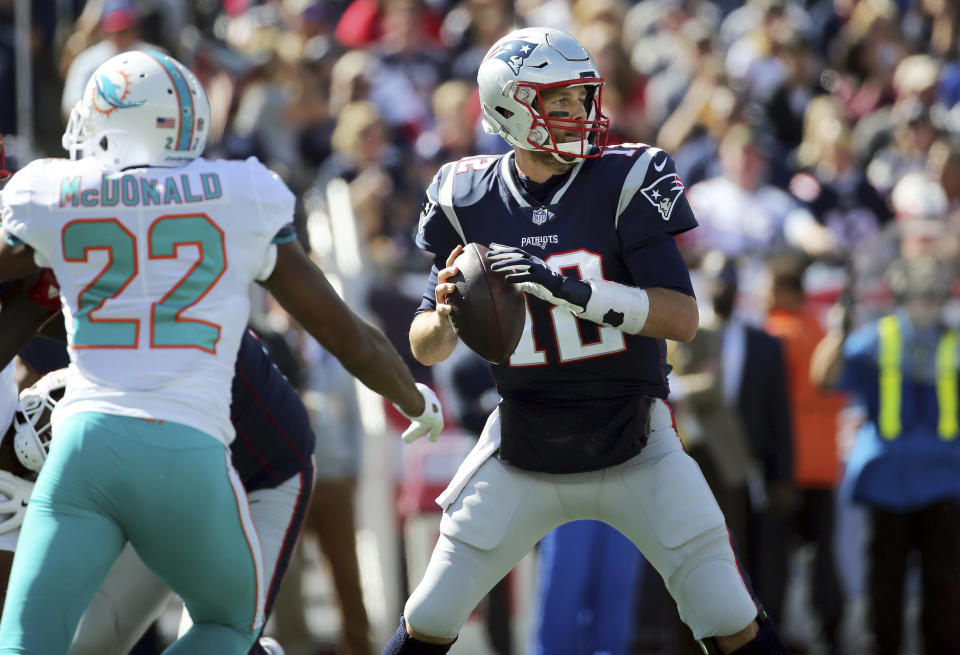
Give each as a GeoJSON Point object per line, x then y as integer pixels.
{"type": "Point", "coordinates": [814, 412]}
{"type": "Point", "coordinates": [902, 370]}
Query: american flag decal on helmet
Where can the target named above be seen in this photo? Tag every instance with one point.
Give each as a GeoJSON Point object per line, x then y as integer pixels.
{"type": "Point", "coordinates": [166, 123]}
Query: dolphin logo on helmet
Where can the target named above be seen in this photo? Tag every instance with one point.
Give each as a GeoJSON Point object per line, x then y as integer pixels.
{"type": "Point", "coordinates": [112, 94]}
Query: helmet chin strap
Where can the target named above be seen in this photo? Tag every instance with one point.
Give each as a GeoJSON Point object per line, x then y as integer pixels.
{"type": "Point", "coordinates": [573, 149]}
{"type": "Point", "coordinates": [570, 151]}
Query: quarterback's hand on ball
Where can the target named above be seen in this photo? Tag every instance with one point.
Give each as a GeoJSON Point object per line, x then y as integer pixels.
{"type": "Point", "coordinates": [536, 278]}
{"type": "Point", "coordinates": [429, 422]}
{"type": "Point", "coordinates": [444, 286]}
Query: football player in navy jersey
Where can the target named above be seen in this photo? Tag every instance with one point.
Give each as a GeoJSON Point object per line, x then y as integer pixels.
{"type": "Point", "coordinates": [272, 455]}
{"type": "Point", "coordinates": [584, 430]}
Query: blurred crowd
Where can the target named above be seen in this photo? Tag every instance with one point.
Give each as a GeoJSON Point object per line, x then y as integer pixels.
{"type": "Point", "coordinates": [818, 140]}
{"type": "Point", "coordinates": [792, 121]}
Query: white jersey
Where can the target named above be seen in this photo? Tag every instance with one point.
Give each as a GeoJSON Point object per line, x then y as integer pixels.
{"type": "Point", "coordinates": [154, 266]}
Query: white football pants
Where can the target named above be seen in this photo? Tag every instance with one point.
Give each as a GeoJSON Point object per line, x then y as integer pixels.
{"type": "Point", "coordinates": [658, 499]}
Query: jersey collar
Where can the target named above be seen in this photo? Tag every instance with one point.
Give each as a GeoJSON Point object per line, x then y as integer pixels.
{"type": "Point", "coordinates": [523, 198]}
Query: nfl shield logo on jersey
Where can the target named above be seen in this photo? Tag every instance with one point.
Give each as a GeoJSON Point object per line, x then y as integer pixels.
{"type": "Point", "coordinates": [540, 216]}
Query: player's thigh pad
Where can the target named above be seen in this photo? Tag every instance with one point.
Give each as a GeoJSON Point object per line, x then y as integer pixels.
{"type": "Point", "coordinates": [488, 505]}
{"type": "Point", "coordinates": [497, 518]}
{"type": "Point", "coordinates": [670, 512]}
{"type": "Point", "coordinates": [128, 601]}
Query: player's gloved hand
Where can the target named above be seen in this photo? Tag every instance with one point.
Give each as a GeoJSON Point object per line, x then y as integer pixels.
{"type": "Point", "coordinates": [429, 423]}
{"type": "Point", "coordinates": [536, 278]}
{"type": "Point", "coordinates": [17, 490]}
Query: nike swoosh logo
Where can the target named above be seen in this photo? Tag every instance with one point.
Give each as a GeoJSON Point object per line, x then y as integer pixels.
{"type": "Point", "coordinates": [663, 162]}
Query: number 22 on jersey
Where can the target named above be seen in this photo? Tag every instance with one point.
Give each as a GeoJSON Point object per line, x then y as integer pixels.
{"type": "Point", "coordinates": [566, 331]}
{"type": "Point", "coordinates": [168, 327]}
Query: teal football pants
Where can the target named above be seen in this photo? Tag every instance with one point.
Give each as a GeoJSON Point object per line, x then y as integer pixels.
{"type": "Point", "coordinates": [167, 488]}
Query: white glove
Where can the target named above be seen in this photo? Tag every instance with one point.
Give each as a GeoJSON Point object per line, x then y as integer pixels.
{"type": "Point", "coordinates": [429, 423]}
{"type": "Point", "coordinates": [17, 492]}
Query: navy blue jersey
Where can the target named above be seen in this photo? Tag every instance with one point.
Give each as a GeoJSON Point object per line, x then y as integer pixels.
{"type": "Point", "coordinates": [274, 440]}
{"type": "Point", "coordinates": [613, 218]}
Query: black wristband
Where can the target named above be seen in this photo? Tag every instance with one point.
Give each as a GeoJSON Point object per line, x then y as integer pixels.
{"type": "Point", "coordinates": [576, 292]}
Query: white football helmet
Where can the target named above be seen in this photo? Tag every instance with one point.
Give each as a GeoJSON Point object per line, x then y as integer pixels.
{"type": "Point", "coordinates": [17, 492]}
{"type": "Point", "coordinates": [31, 439]}
{"type": "Point", "coordinates": [140, 109]}
{"type": "Point", "coordinates": [515, 71]}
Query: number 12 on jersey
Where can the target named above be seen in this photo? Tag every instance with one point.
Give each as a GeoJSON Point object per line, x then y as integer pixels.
{"type": "Point", "coordinates": [566, 331]}
{"type": "Point", "coordinates": [168, 327]}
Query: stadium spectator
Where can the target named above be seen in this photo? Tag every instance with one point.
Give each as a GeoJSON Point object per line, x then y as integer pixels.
{"type": "Point", "coordinates": [905, 464]}
{"type": "Point", "coordinates": [119, 21]}
{"type": "Point", "coordinates": [827, 180]}
{"type": "Point", "coordinates": [815, 417]}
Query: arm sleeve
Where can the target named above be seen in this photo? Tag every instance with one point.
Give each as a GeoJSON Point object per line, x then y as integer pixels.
{"type": "Point", "coordinates": [435, 234]}
{"type": "Point", "coordinates": [653, 200]}
{"type": "Point", "coordinates": [653, 208]}
{"type": "Point", "coordinates": [275, 205]}
{"type": "Point", "coordinates": [658, 263]}
{"type": "Point", "coordinates": [859, 361]}
{"type": "Point", "coordinates": [428, 301]}
{"type": "Point", "coordinates": [16, 210]}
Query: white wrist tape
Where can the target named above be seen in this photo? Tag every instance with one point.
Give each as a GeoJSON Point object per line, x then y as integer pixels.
{"type": "Point", "coordinates": [617, 305]}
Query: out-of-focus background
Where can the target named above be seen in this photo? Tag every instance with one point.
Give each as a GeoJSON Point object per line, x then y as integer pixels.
{"type": "Point", "coordinates": [819, 142]}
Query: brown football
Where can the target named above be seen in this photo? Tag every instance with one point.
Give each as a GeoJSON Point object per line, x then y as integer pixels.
{"type": "Point", "coordinates": [488, 312]}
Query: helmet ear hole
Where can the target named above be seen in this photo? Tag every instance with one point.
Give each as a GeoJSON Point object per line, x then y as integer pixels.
{"type": "Point", "coordinates": [104, 144]}
{"type": "Point", "coordinates": [503, 111]}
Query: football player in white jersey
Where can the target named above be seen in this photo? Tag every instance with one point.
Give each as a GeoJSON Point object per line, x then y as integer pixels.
{"type": "Point", "coordinates": [155, 249]}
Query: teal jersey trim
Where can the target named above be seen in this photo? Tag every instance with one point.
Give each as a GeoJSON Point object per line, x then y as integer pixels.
{"type": "Point", "coordinates": [286, 234]}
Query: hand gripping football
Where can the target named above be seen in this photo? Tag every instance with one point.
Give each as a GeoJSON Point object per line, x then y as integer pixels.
{"type": "Point", "coordinates": [488, 312]}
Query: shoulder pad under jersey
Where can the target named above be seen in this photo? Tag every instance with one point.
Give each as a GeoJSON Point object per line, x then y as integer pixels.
{"type": "Point", "coordinates": [647, 186]}
{"type": "Point", "coordinates": [456, 184]}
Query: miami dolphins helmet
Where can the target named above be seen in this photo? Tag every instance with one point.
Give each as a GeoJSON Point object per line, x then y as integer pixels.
{"type": "Point", "coordinates": [140, 108]}
{"type": "Point", "coordinates": [511, 79]}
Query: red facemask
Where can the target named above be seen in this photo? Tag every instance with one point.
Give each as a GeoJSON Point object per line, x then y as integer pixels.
{"type": "Point", "coordinates": [591, 134]}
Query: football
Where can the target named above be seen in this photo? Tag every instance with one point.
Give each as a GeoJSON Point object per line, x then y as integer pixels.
{"type": "Point", "coordinates": [488, 312]}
